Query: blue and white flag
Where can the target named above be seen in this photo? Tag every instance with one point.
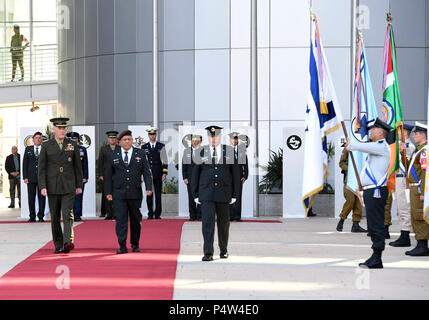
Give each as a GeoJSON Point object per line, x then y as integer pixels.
{"type": "Point", "coordinates": [323, 117]}
{"type": "Point", "coordinates": [364, 111]}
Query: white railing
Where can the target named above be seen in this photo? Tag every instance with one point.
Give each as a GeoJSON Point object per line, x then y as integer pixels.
{"type": "Point", "coordinates": [41, 60]}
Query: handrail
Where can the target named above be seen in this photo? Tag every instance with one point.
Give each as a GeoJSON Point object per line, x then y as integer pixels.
{"type": "Point", "coordinates": [42, 59]}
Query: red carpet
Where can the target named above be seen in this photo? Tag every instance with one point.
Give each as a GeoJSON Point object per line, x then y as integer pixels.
{"type": "Point", "coordinates": [96, 272]}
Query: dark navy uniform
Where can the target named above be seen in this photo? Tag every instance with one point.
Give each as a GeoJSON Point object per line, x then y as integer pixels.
{"type": "Point", "coordinates": [107, 209]}
{"type": "Point", "coordinates": [187, 167]}
{"type": "Point", "coordinates": [123, 182]}
{"type": "Point", "coordinates": [78, 201]}
{"type": "Point", "coordinates": [30, 166]}
{"type": "Point", "coordinates": [240, 159]}
{"type": "Point", "coordinates": [215, 180]}
{"type": "Point", "coordinates": [157, 157]}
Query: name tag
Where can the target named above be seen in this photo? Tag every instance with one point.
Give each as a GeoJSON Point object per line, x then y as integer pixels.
{"type": "Point", "coordinates": [115, 161]}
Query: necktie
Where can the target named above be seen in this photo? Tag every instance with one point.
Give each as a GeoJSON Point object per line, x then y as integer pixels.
{"type": "Point", "coordinates": [214, 156]}
{"type": "Point", "coordinates": [126, 158]}
{"type": "Point", "coordinates": [37, 152]}
{"type": "Point", "coordinates": [61, 145]}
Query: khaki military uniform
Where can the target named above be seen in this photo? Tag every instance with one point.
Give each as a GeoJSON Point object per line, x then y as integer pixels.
{"type": "Point", "coordinates": [17, 53]}
{"type": "Point", "coordinates": [60, 172]}
{"type": "Point", "coordinates": [420, 227]}
{"type": "Point", "coordinates": [352, 201]}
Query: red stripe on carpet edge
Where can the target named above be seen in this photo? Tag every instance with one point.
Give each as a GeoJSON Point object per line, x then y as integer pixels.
{"type": "Point", "coordinates": [96, 272]}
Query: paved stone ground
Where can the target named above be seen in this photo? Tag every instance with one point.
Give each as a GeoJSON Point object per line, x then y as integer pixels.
{"type": "Point", "coordinates": [297, 259]}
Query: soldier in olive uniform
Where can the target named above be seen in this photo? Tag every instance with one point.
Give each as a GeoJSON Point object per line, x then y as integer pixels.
{"type": "Point", "coordinates": [187, 168]}
{"type": "Point", "coordinates": [416, 176]}
{"type": "Point", "coordinates": [352, 201]}
{"type": "Point", "coordinates": [158, 161]}
{"type": "Point", "coordinates": [107, 209]}
{"type": "Point", "coordinates": [60, 178]}
{"type": "Point", "coordinates": [123, 185]}
{"type": "Point", "coordinates": [215, 186]}
{"type": "Point", "coordinates": [374, 179]}
{"type": "Point", "coordinates": [17, 51]}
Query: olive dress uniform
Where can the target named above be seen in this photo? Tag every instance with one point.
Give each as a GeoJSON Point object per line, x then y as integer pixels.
{"type": "Point", "coordinates": [157, 157]}
{"type": "Point", "coordinates": [30, 165]}
{"type": "Point", "coordinates": [124, 171]}
{"type": "Point", "coordinates": [416, 176]}
{"type": "Point", "coordinates": [215, 180]}
{"type": "Point", "coordinates": [60, 172]}
{"type": "Point", "coordinates": [352, 201]}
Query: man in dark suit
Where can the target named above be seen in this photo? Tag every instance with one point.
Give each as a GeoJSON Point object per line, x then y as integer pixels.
{"type": "Point", "coordinates": [123, 185]}
{"type": "Point", "coordinates": [187, 167]}
{"type": "Point", "coordinates": [215, 180]}
{"type": "Point", "coordinates": [12, 166]}
{"type": "Point", "coordinates": [158, 161]}
{"type": "Point", "coordinates": [30, 165]}
{"type": "Point", "coordinates": [78, 201]}
{"type": "Point", "coordinates": [240, 159]}
{"type": "Point", "coordinates": [107, 209]}
{"type": "Point", "coordinates": [60, 177]}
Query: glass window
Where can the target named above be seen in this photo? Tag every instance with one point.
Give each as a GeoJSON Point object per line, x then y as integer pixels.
{"type": "Point", "coordinates": [44, 10]}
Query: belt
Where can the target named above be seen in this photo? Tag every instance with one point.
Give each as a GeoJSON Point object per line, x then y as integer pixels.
{"type": "Point", "coordinates": [414, 184]}
{"type": "Point", "coordinates": [371, 186]}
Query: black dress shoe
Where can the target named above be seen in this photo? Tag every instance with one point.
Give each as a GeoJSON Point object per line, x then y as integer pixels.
{"type": "Point", "coordinates": [11, 206]}
{"type": "Point", "coordinates": [69, 246]}
{"type": "Point", "coordinates": [157, 218]}
{"type": "Point", "coordinates": [122, 251]}
{"type": "Point", "coordinates": [403, 240]}
{"type": "Point", "coordinates": [208, 257]}
{"type": "Point", "coordinates": [340, 225]}
{"type": "Point", "coordinates": [150, 217]}
{"type": "Point", "coordinates": [32, 220]}
{"type": "Point", "coordinates": [57, 251]}
{"type": "Point", "coordinates": [78, 219]}
{"type": "Point", "coordinates": [224, 255]}
{"type": "Point", "coordinates": [421, 250]}
{"type": "Point", "coordinates": [41, 220]}
{"type": "Point", "coordinates": [136, 249]}
{"type": "Point", "coordinates": [356, 228]}
{"type": "Point", "coordinates": [374, 262]}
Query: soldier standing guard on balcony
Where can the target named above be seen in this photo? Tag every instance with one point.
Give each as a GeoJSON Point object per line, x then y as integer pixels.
{"type": "Point", "coordinates": [17, 51]}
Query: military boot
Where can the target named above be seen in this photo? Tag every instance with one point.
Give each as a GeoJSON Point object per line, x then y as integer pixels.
{"type": "Point", "coordinates": [356, 228]}
{"type": "Point", "coordinates": [386, 232]}
{"type": "Point", "coordinates": [420, 250]}
{"type": "Point", "coordinates": [403, 240]}
{"type": "Point", "coordinates": [374, 262]}
{"type": "Point", "coordinates": [340, 225]}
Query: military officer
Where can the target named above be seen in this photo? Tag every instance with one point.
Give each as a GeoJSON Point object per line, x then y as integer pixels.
{"type": "Point", "coordinates": [374, 179]}
{"type": "Point", "coordinates": [352, 201]}
{"type": "Point", "coordinates": [107, 209]}
{"type": "Point", "coordinates": [240, 158]}
{"type": "Point", "coordinates": [122, 183]}
{"type": "Point", "coordinates": [403, 206]}
{"type": "Point", "coordinates": [61, 179]}
{"type": "Point", "coordinates": [30, 173]}
{"type": "Point", "coordinates": [158, 161]}
{"type": "Point", "coordinates": [215, 186]}
{"type": "Point", "coordinates": [187, 167]}
{"type": "Point", "coordinates": [78, 202]}
{"type": "Point", "coordinates": [17, 51]}
{"type": "Point", "coordinates": [416, 175]}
